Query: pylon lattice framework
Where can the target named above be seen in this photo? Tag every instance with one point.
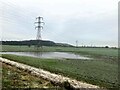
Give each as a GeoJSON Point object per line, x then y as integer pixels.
{"type": "Point", "coordinates": [39, 28]}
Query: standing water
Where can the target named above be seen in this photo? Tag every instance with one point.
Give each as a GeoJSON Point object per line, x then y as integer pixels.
{"type": "Point", "coordinates": [57, 55]}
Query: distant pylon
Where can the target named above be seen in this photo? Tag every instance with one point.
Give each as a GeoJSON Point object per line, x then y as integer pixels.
{"type": "Point", "coordinates": [39, 26]}
{"type": "Point", "coordinates": [76, 43]}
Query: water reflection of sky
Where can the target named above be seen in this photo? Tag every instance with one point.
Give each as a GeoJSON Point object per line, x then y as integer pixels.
{"type": "Point", "coordinates": [48, 54]}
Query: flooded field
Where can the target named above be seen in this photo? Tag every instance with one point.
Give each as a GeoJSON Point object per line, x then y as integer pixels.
{"type": "Point", "coordinates": [55, 55]}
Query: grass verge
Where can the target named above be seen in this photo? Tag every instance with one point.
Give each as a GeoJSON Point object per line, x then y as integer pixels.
{"type": "Point", "coordinates": [13, 77]}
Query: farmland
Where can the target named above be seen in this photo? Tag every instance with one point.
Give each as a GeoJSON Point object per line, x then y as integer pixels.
{"type": "Point", "coordinates": [100, 70]}
{"type": "Point", "coordinates": [95, 51]}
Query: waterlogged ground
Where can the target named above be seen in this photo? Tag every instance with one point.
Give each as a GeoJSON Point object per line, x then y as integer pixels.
{"type": "Point", "coordinates": [15, 78]}
{"type": "Point", "coordinates": [97, 72]}
{"type": "Point", "coordinates": [54, 55]}
{"type": "Point", "coordinates": [101, 69]}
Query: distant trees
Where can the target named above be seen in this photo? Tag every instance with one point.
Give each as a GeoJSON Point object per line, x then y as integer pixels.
{"type": "Point", "coordinates": [106, 46]}
{"type": "Point", "coordinates": [29, 43]}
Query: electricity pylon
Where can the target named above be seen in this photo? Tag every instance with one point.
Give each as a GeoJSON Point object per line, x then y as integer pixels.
{"type": "Point", "coordinates": [39, 26]}
{"type": "Point", "coordinates": [76, 43]}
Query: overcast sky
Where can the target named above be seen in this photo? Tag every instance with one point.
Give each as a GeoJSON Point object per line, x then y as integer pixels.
{"type": "Point", "coordinates": [91, 22]}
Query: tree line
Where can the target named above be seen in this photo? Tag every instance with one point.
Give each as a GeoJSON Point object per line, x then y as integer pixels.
{"type": "Point", "coordinates": [34, 42]}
